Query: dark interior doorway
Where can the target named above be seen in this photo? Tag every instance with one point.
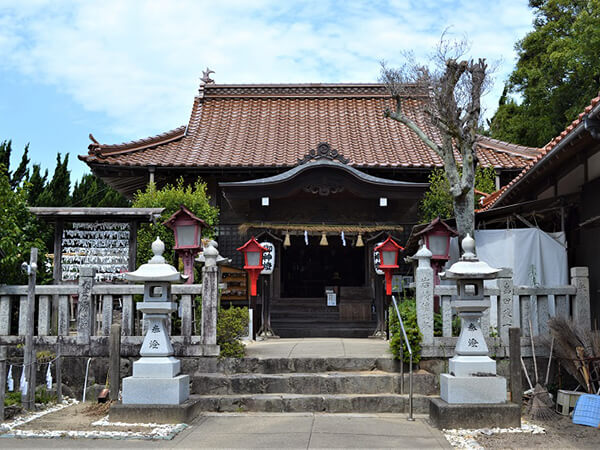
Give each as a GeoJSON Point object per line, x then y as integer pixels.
{"type": "Point", "coordinates": [307, 269]}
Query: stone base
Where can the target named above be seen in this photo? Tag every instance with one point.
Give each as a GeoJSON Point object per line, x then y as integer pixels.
{"type": "Point", "coordinates": [156, 391]}
{"type": "Point", "coordinates": [466, 366]}
{"type": "Point", "coordinates": [184, 413]}
{"type": "Point", "coordinates": [468, 416]}
{"type": "Point", "coordinates": [472, 389]}
{"type": "Point", "coordinates": [156, 367]}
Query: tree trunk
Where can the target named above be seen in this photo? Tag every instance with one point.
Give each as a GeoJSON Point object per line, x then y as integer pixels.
{"type": "Point", "coordinates": [464, 211]}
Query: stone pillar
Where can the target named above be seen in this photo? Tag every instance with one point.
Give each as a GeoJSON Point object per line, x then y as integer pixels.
{"type": "Point", "coordinates": [187, 313]}
{"type": "Point", "coordinates": [5, 315]}
{"type": "Point", "coordinates": [210, 296]}
{"type": "Point", "coordinates": [114, 364]}
{"type": "Point", "coordinates": [44, 316]}
{"type": "Point", "coordinates": [424, 294]}
{"type": "Point", "coordinates": [107, 312]}
{"type": "Point", "coordinates": [505, 305]}
{"type": "Point", "coordinates": [127, 315]}
{"type": "Point", "coordinates": [63, 315]}
{"type": "Point", "coordinates": [23, 308]}
{"type": "Point", "coordinates": [581, 304]}
{"type": "Point", "coordinates": [85, 306]}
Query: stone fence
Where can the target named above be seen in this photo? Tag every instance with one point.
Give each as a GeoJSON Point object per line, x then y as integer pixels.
{"type": "Point", "coordinates": [511, 306]}
{"type": "Point", "coordinates": [80, 315]}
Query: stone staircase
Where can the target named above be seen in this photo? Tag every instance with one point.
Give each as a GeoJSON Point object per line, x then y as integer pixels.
{"type": "Point", "coordinates": [311, 317]}
{"type": "Point", "coordinates": [333, 385]}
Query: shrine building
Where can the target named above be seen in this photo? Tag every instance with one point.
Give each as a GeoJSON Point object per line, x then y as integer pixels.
{"type": "Point", "coordinates": [315, 169]}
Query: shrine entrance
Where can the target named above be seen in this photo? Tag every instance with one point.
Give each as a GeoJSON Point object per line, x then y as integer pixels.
{"type": "Point", "coordinates": [308, 270]}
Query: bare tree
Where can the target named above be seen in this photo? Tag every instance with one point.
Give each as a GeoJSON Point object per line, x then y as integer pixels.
{"type": "Point", "coordinates": [456, 86]}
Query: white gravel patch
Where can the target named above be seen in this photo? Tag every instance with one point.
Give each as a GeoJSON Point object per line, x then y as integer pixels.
{"type": "Point", "coordinates": [25, 418]}
{"type": "Point", "coordinates": [154, 430]}
{"type": "Point", "coordinates": [467, 439]}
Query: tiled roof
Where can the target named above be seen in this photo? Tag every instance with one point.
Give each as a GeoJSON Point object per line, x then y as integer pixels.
{"type": "Point", "coordinates": [275, 125]}
{"type": "Point", "coordinates": [497, 197]}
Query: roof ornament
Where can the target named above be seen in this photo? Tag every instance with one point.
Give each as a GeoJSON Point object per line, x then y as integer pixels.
{"type": "Point", "coordinates": [592, 126]}
{"type": "Point", "coordinates": [323, 150]}
{"type": "Point", "coordinates": [206, 79]}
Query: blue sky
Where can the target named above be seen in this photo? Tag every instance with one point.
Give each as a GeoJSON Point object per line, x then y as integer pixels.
{"type": "Point", "coordinates": [125, 70]}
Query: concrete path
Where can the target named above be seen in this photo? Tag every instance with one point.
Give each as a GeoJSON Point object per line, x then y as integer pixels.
{"type": "Point", "coordinates": [319, 348]}
{"type": "Point", "coordinates": [283, 431]}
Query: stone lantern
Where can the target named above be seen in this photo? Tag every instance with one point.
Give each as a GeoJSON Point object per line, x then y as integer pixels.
{"type": "Point", "coordinates": [156, 379]}
{"type": "Point", "coordinates": [472, 377]}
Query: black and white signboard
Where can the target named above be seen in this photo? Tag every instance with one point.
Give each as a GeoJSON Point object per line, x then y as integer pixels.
{"type": "Point", "coordinates": [377, 260]}
{"type": "Point", "coordinates": [268, 260]}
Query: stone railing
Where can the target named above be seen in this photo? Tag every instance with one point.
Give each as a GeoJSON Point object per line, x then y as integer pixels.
{"type": "Point", "coordinates": [511, 306]}
{"type": "Point", "coordinates": [81, 315]}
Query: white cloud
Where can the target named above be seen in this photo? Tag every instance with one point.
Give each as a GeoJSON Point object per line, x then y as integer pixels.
{"type": "Point", "coordinates": [139, 62]}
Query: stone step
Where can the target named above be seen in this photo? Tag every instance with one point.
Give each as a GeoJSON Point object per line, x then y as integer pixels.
{"type": "Point", "coordinates": [204, 365]}
{"type": "Point", "coordinates": [293, 331]}
{"type": "Point", "coordinates": [340, 403]}
{"type": "Point", "coordinates": [376, 382]}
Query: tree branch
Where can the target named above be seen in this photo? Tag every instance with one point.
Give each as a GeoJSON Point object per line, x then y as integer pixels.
{"type": "Point", "coordinates": [399, 117]}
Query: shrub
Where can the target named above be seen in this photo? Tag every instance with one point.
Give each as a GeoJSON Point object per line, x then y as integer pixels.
{"type": "Point", "coordinates": [232, 324]}
{"type": "Point", "coordinates": [171, 197]}
{"type": "Point", "coordinates": [408, 312]}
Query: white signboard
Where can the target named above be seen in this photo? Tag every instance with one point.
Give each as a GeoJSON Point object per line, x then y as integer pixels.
{"type": "Point", "coordinates": [268, 260]}
{"type": "Point", "coordinates": [377, 260]}
{"type": "Point", "coordinates": [331, 297]}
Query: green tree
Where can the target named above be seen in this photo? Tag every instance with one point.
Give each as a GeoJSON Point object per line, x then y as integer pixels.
{"type": "Point", "coordinates": [171, 197]}
{"type": "Point", "coordinates": [557, 72]}
{"type": "Point", "coordinates": [57, 192]}
{"type": "Point", "coordinates": [18, 176]}
{"type": "Point", "coordinates": [91, 191]}
{"type": "Point", "coordinates": [19, 231]}
{"type": "Point", "coordinates": [437, 201]}
{"type": "Point", "coordinates": [36, 185]}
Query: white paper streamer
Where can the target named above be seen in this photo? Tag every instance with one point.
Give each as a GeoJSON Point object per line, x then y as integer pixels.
{"type": "Point", "coordinates": [9, 380]}
{"type": "Point", "coordinates": [23, 382]}
{"type": "Point", "coordinates": [343, 239]}
{"type": "Point", "coordinates": [49, 376]}
{"type": "Point", "coordinates": [306, 237]}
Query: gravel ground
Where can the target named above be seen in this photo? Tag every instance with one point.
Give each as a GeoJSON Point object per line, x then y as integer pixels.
{"type": "Point", "coordinates": [560, 432]}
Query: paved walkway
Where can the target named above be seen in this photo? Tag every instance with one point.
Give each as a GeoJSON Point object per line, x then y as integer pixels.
{"type": "Point", "coordinates": [319, 348]}
{"type": "Point", "coordinates": [283, 431]}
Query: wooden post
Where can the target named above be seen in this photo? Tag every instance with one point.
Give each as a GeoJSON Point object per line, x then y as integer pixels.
{"type": "Point", "coordinates": [516, 385]}
{"type": "Point", "coordinates": [114, 365]}
{"type": "Point", "coordinates": [58, 365]}
{"type": "Point", "coordinates": [28, 357]}
{"type": "Point", "coordinates": [132, 245]}
{"type": "Point", "coordinates": [2, 380]}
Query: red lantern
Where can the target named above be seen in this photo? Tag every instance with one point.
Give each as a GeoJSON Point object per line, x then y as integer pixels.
{"type": "Point", "coordinates": [188, 231]}
{"type": "Point", "coordinates": [253, 253]}
{"type": "Point", "coordinates": [388, 250]}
